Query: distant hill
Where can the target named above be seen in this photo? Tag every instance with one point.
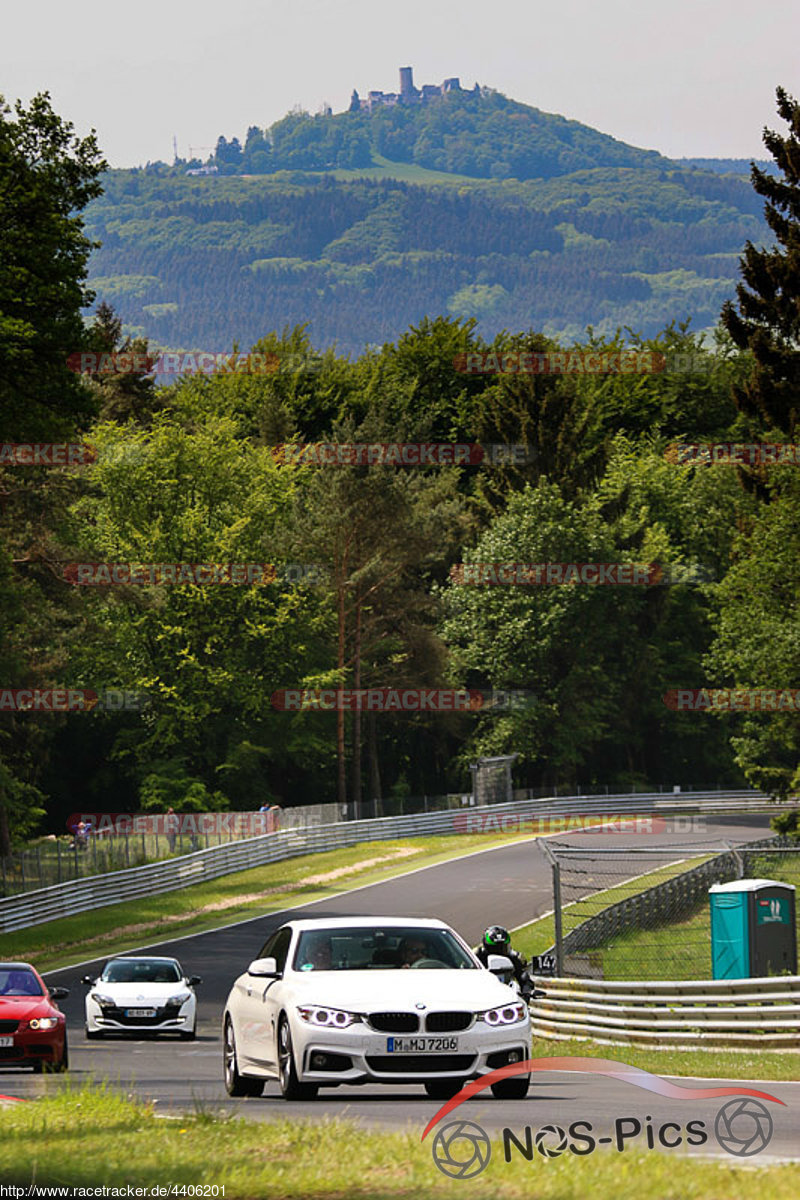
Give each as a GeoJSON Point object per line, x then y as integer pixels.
{"type": "Point", "coordinates": [472, 205]}
{"type": "Point", "coordinates": [480, 135]}
{"type": "Point", "coordinates": [729, 166]}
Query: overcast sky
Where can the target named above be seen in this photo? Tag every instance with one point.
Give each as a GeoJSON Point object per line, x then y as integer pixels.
{"type": "Point", "coordinates": [686, 77]}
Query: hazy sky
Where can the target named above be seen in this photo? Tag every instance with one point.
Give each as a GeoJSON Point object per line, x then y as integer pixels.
{"type": "Point", "coordinates": [686, 77]}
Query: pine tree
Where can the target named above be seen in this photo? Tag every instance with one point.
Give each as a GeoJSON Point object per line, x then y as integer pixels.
{"type": "Point", "coordinates": [767, 322]}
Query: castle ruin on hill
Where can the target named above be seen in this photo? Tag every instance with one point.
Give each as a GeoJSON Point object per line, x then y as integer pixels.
{"type": "Point", "coordinates": [408, 94]}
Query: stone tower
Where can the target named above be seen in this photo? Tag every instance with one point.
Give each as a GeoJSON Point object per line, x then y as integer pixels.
{"type": "Point", "coordinates": [407, 89]}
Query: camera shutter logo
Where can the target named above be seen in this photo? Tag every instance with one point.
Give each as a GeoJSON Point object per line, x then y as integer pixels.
{"type": "Point", "coordinates": [743, 1127]}
{"type": "Point", "coordinates": [551, 1140]}
{"type": "Point", "coordinates": [461, 1150]}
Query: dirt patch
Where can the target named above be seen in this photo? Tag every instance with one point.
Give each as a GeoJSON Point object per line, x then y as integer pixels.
{"type": "Point", "coordinates": [312, 880]}
{"type": "Point", "coordinates": [250, 897]}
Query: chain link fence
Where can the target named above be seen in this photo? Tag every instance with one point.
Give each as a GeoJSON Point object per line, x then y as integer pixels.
{"type": "Point", "coordinates": [101, 850]}
{"type": "Point", "coordinates": [643, 913]}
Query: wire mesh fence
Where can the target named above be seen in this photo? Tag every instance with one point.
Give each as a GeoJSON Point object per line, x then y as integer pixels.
{"type": "Point", "coordinates": [643, 913]}
{"type": "Point", "coordinates": [102, 849]}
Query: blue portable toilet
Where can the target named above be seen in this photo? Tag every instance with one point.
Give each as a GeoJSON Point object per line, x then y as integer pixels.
{"type": "Point", "coordinates": [753, 930]}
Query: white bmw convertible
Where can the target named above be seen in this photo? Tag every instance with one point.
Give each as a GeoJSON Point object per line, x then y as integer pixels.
{"type": "Point", "coordinates": [371, 1000]}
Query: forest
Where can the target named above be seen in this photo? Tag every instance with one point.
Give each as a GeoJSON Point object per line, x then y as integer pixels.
{"type": "Point", "coordinates": [185, 471]}
{"type": "Point", "coordinates": [193, 263]}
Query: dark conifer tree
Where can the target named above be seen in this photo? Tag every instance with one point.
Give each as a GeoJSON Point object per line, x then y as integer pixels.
{"type": "Point", "coordinates": [766, 319]}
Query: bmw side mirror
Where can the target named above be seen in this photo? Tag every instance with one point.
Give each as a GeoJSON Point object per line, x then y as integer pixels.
{"type": "Point", "coordinates": [59, 993]}
{"type": "Point", "coordinates": [264, 968]}
{"type": "Point", "coordinates": [501, 966]}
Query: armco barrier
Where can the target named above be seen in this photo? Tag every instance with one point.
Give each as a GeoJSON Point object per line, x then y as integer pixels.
{"type": "Point", "coordinates": [98, 891]}
{"type": "Point", "coordinates": [735, 1014]}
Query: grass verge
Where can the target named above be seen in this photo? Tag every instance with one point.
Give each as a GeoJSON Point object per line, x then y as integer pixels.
{"type": "Point", "coordinates": [234, 897]}
{"type": "Point", "coordinates": [93, 1137]}
{"type": "Point", "coordinates": [780, 1066]}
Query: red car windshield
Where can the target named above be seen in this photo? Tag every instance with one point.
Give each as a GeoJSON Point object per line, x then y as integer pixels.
{"type": "Point", "coordinates": [19, 982]}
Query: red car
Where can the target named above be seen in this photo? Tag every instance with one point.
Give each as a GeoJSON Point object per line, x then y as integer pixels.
{"type": "Point", "coordinates": [33, 1030]}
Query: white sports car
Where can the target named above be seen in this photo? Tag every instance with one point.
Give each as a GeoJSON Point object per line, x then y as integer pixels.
{"type": "Point", "coordinates": [138, 995]}
{"type": "Point", "coordinates": [371, 1000]}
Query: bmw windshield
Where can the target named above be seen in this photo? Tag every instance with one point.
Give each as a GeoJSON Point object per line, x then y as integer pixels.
{"type": "Point", "coordinates": [378, 948]}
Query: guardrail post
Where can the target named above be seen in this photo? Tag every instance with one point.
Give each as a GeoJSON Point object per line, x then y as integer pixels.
{"type": "Point", "coordinates": [22, 865]}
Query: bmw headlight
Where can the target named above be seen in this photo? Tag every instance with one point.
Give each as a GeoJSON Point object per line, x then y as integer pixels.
{"type": "Point", "coordinates": [43, 1023]}
{"type": "Point", "coordinates": [509, 1014]}
{"type": "Point", "coordinates": [177, 1001]}
{"type": "Point", "coordinates": [103, 1001]}
{"type": "Point", "coordinates": [327, 1018]}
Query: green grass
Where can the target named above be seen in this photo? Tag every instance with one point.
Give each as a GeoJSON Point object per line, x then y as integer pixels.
{"type": "Point", "coordinates": [384, 168]}
{"type": "Point", "coordinates": [93, 1137]}
{"type": "Point", "coordinates": [231, 898]}
{"type": "Point", "coordinates": [776, 1065]}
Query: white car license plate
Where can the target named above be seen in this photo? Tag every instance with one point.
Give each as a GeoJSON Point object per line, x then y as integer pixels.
{"type": "Point", "coordinates": [140, 1012]}
{"type": "Point", "coordinates": [420, 1045]}
{"type": "Point", "coordinates": [6, 1041]}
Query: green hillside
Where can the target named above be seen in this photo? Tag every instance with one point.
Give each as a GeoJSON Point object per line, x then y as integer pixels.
{"type": "Point", "coordinates": [200, 262]}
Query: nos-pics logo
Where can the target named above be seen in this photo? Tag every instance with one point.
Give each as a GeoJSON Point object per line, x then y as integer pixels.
{"type": "Point", "coordinates": [461, 1148]}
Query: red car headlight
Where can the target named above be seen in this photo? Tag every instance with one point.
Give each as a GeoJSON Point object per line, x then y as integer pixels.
{"type": "Point", "coordinates": [39, 1024]}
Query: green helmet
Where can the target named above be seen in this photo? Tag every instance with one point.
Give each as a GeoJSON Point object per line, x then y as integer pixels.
{"type": "Point", "coordinates": [497, 938]}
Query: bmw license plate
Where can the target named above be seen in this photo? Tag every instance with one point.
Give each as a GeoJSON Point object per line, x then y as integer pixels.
{"type": "Point", "coordinates": [420, 1045]}
{"type": "Point", "coordinates": [140, 1012]}
{"type": "Point", "coordinates": [6, 1041]}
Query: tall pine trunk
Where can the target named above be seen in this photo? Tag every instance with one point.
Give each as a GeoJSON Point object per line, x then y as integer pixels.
{"type": "Point", "coordinates": [341, 774]}
{"type": "Point", "coordinates": [357, 714]}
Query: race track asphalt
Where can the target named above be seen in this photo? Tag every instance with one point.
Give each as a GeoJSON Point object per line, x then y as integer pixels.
{"type": "Point", "coordinates": [509, 885]}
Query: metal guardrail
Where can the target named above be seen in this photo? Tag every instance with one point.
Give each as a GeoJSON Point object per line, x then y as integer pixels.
{"type": "Point", "coordinates": [735, 1014]}
{"type": "Point", "coordinates": [65, 900]}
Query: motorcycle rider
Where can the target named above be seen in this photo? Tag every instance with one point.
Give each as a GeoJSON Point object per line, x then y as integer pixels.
{"type": "Point", "coordinates": [497, 940]}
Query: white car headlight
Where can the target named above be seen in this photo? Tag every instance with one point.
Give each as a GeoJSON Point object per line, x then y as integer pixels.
{"type": "Point", "coordinates": [509, 1014]}
{"type": "Point", "coordinates": [103, 1001]}
{"type": "Point", "coordinates": [43, 1023]}
{"type": "Point", "coordinates": [327, 1018]}
{"type": "Point", "coordinates": [177, 1001]}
